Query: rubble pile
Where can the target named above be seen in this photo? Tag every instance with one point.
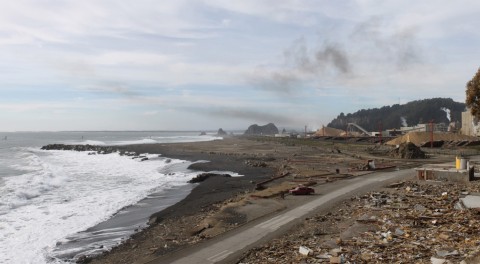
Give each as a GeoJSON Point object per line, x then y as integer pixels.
{"type": "Point", "coordinates": [408, 151]}
{"type": "Point", "coordinates": [409, 222]}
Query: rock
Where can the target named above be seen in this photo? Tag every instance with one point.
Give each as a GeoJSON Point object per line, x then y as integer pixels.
{"type": "Point", "coordinates": [220, 132]}
{"type": "Point", "coordinates": [203, 176]}
{"type": "Point", "coordinates": [420, 208]}
{"type": "Point", "coordinates": [268, 129]}
{"type": "Point", "coordinates": [152, 220]}
{"type": "Point", "coordinates": [399, 232]}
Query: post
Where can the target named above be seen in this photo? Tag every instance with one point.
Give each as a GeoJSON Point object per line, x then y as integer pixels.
{"type": "Point", "coordinates": [380, 128]}
{"type": "Point", "coordinates": [431, 133]}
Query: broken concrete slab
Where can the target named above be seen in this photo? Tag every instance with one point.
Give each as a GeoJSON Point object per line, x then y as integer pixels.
{"type": "Point", "coordinates": [471, 201]}
{"type": "Point", "coordinates": [305, 251]}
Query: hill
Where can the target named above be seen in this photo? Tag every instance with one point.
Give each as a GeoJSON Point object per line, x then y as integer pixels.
{"type": "Point", "coordinates": [409, 114]}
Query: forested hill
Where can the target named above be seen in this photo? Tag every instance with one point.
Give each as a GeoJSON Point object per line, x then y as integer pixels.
{"type": "Point", "coordinates": [412, 113]}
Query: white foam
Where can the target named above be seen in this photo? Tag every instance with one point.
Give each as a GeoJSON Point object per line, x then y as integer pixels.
{"type": "Point", "coordinates": [186, 139]}
{"type": "Point", "coordinates": [92, 142]}
{"type": "Point", "coordinates": [150, 140]}
{"type": "Point", "coordinates": [133, 142]}
{"type": "Point", "coordinates": [65, 192]}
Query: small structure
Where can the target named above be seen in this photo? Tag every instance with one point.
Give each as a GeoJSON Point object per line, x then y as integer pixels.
{"type": "Point", "coordinates": [461, 172]}
{"type": "Point", "coordinates": [470, 126]}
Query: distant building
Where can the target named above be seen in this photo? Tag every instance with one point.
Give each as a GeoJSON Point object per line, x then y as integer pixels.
{"type": "Point", "coordinates": [437, 127]}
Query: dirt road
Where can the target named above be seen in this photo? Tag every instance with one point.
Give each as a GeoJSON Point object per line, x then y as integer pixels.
{"type": "Point", "coordinates": [228, 247]}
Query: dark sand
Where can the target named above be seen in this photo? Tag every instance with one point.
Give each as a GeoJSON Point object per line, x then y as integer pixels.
{"type": "Point", "coordinates": [199, 201]}
{"type": "Point", "coordinates": [220, 204]}
{"type": "Point", "coordinates": [212, 190]}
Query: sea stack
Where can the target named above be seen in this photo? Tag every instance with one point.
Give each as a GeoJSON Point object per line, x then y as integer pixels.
{"type": "Point", "coordinates": [221, 132]}
{"type": "Point", "coordinates": [268, 129]}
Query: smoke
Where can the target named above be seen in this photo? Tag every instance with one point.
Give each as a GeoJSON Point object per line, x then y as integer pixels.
{"type": "Point", "coordinates": [404, 121]}
{"type": "Point", "coordinates": [302, 64]}
{"type": "Point", "coordinates": [340, 56]}
{"type": "Point", "coordinates": [249, 115]}
{"type": "Point", "coordinates": [447, 111]}
{"type": "Point", "coordinates": [398, 47]}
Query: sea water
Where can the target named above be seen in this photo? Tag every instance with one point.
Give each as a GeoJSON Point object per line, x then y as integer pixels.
{"type": "Point", "coordinates": [50, 198]}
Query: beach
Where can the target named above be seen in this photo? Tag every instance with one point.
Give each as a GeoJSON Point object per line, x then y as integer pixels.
{"type": "Point", "coordinates": [219, 204]}
{"type": "Point", "coordinates": [270, 167]}
{"type": "Point", "coordinates": [229, 154]}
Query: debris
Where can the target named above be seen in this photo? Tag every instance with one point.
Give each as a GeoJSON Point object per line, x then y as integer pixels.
{"type": "Point", "coordinates": [415, 222]}
{"type": "Point", "coordinates": [399, 232]}
{"type": "Point", "coordinates": [437, 260]}
{"type": "Point", "coordinates": [471, 201]}
{"type": "Point", "coordinates": [305, 251]}
{"type": "Point", "coordinates": [420, 208]}
{"type": "Point", "coordinates": [335, 260]}
{"type": "Point", "coordinates": [408, 151]}
{"type": "Point", "coordinates": [445, 253]}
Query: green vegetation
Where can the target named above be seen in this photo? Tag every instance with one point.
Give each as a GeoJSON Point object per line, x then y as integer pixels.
{"type": "Point", "coordinates": [415, 112]}
{"type": "Point", "coordinates": [473, 95]}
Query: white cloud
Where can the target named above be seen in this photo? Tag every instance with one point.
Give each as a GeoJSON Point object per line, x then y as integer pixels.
{"type": "Point", "coordinates": [141, 56]}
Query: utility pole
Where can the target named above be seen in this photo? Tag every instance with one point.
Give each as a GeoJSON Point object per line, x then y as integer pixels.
{"type": "Point", "coordinates": [431, 133]}
{"type": "Point", "coordinates": [380, 129]}
{"type": "Point", "coordinates": [305, 131]}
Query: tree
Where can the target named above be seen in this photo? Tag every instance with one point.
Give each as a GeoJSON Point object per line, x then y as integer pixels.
{"type": "Point", "coordinates": [473, 95]}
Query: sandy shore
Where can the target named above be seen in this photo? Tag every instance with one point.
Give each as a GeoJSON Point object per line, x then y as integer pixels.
{"type": "Point", "coordinates": [179, 218]}
{"type": "Point", "coordinates": [219, 204]}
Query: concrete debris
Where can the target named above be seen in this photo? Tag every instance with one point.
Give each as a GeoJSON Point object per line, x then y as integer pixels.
{"type": "Point", "coordinates": [415, 222]}
{"type": "Point", "coordinates": [305, 251]}
{"type": "Point", "coordinates": [438, 261]}
{"type": "Point", "coordinates": [471, 201]}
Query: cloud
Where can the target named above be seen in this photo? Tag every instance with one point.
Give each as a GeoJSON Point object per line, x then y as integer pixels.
{"type": "Point", "coordinates": [52, 22]}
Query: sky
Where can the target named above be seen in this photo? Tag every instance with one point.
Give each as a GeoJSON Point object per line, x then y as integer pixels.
{"type": "Point", "coordinates": [209, 64]}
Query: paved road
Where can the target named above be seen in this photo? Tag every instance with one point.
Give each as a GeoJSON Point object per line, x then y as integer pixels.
{"type": "Point", "coordinates": [228, 247]}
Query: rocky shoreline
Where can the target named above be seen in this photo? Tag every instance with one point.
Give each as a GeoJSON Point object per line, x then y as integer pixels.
{"type": "Point", "coordinates": [212, 190]}
{"type": "Point", "coordinates": [219, 204]}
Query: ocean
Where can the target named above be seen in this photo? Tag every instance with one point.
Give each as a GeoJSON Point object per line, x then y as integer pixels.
{"type": "Point", "coordinates": [57, 205]}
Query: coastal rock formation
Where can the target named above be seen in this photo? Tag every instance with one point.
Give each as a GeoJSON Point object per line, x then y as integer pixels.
{"type": "Point", "coordinates": [100, 149]}
{"type": "Point", "coordinates": [221, 132]}
{"type": "Point", "coordinates": [203, 176]}
{"type": "Point", "coordinates": [268, 129]}
{"type": "Point", "coordinates": [93, 150]}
